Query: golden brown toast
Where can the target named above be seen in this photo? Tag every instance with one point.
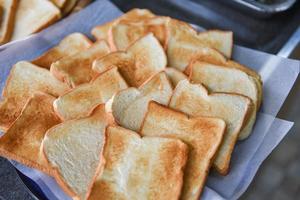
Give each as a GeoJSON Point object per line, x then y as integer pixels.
{"type": "Point", "coordinates": [80, 101]}
{"type": "Point", "coordinates": [74, 149]}
{"type": "Point", "coordinates": [68, 46]}
{"type": "Point", "coordinates": [194, 100]}
{"type": "Point", "coordinates": [22, 141]}
{"type": "Point", "coordinates": [77, 69]}
{"type": "Point", "coordinates": [8, 12]}
{"type": "Point", "coordinates": [140, 168]}
{"type": "Point", "coordinates": [202, 135]}
{"type": "Point", "coordinates": [175, 76]}
{"type": "Point", "coordinates": [143, 59]}
{"type": "Point", "coordinates": [23, 81]}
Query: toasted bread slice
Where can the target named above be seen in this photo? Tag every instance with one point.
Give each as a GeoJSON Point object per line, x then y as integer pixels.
{"type": "Point", "coordinates": [125, 33]}
{"type": "Point", "coordinates": [70, 45]}
{"type": "Point", "coordinates": [32, 16]}
{"type": "Point", "coordinates": [23, 81]}
{"type": "Point", "coordinates": [80, 101]}
{"type": "Point", "coordinates": [225, 79]}
{"type": "Point", "coordinates": [68, 7]}
{"type": "Point", "coordinates": [202, 135]}
{"type": "Point", "coordinates": [184, 46]}
{"type": "Point", "coordinates": [81, 4]}
{"type": "Point", "coordinates": [175, 76]}
{"type": "Point", "coordinates": [59, 3]}
{"type": "Point", "coordinates": [129, 106]}
{"type": "Point", "coordinates": [22, 141]}
{"type": "Point", "coordinates": [102, 32]}
{"type": "Point", "coordinates": [140, 168]}
{"type": "Point", "coordinates": [77, 69]}
{"type": "Point", "coordinates": [194, 100]}
{"type": "Point", "coordinates": [142, 60]}
{"type": "Point", "coordinates": [74, 149]}
{"type": "Point", "coordinates": [8, 8]}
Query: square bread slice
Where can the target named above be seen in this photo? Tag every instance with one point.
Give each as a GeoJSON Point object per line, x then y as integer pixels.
{"type": "Point", "coordinates": [32, 16]}
{"type": "Point", "coordinates": [143, 59]}
{"type": "Point", "coordinates": [218, 78]}
{"type": "Point", "coordinates": [129, 106]}
{"type": "Point", "coordinates": [8, 11]}
{"type": "Point", "coordinates": [75, 151]}
{"type": "Point", "coordinates": [125, 33]}
{"type": "Point", "coordinates": [77, 69]}
{"type": "Point", "coordinates": [184, 46]}
{"type": "Point", "coordinates": [202, 135]}
{"type": "Point", "coordinates": [80, 101]}
{"type": "Point", "coordinates": [22, 141]}
{"type": "Point", "coordinates": [194, 100]}
{"type": "Point", "coordinates": [140, 168]}
{"type": "Point", "coordinates": [23, 81]}
{"type": "Point", "coordinates": [68, 46]}
{"type": "Point", "coordinates": [175, 76]}
{"type": "Point", "coordinates": [102, 32]}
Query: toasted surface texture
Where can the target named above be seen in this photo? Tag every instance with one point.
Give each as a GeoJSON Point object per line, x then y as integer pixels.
{"type": "Point", "coordinates": [74, 149]}
{"type": "Point", "coordinates": [226, 79]}
{"type": "Point", "coordinates": [143, 59]}
{"type": "Point", "coordinates": [175, 75]}
{"type": "Point", "coordinates": [32, 16]}
{"type": "Point", "coordinates": [22, 141]}
{"type": "Point", "coordinates": [80, 101]}
{"type": "Point", "coordinates": [184, 46]}
{"type": "Point", "coordinates": [140, 168]}
{"type": "Point", "coordinates": [125, 33]}
{"type": "Point", "coordinates": [9, 8]}
{"type": "Point", "coordinates": [77, 69]}
{"type": "Point", "coordinates": [129, 106]}
{"type": "Point", "coordinates": [102, 32]}
{"type": "Point", "coordinates": [194, 100]}
{"type": "Point", "coordinates": [202, 135]}
{"type": "Point", "coordinates": [68, 46]}
{"type": "Point", "coordinates": [23, 81]}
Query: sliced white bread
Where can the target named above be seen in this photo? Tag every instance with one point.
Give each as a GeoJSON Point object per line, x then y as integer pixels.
{"type": "Point", "coordinates": [175, 76]}
{"type": "Point", "coordinates": [22, 141]}
{"type": "Point", "coordinates": [32, 16]}
{"type": "Point", "coordinates": [129, 106]}
{"type": "Point", "coordinates": [140, 168]}
{"type": "Point", "coordinates": [77, 69]}
{"type": "Point", "coordinates": [68, 46]}
{"type": "Point", "coordinates": [80, 101]}
{"type": "Point", "coordinates": [143, 59]}
{"type": "Point", "coordinates": [75, 151]}
{"type": "Point", "coordinates": [194, 100]}
{"type": "Point", "coordinates": [8, 12]}
{"type": "Point", "coordinates": [202, 135]}
{"type": "Point", "coordinates": [23, 81]}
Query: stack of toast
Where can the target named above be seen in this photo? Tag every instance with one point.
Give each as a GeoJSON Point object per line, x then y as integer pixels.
{"type": "Point", "coordinates": [145, 112]}
{"type": "Point", "coordinates": [21, 18]}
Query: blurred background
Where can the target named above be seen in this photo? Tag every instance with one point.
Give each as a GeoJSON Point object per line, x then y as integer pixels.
{"type": "Point", "coordinates": [271, 26]}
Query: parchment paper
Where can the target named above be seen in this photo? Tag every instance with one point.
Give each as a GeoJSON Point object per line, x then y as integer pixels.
{"type": "Point", "coordinates": [278, 74]}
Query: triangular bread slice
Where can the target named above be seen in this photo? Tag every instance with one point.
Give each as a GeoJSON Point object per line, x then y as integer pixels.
{"type": "Point", "coordinates": [125, 33]}
{"type": "Point", "coordinates": [140, 168]}
{"type": "Point", "coordinates": [77, 69]}
{"type": "Point", "coordinates": [102, 32]}
{"type": "Point", "coordinates": [68, 46]}
{"type": "Point", "coordinates": [202, 135]}
{"type": "Point", "coordinates": [129, 106]}
{"type": "Point", "coordinates": [143, 59]}
{"type": "Point", "coordinates": [175, 76]}
{"type": "Point", "coordinates": [74, 149]}
{"type": "Point", "coordinates": [22, 141]}
{"type": "Point", "coordinates": [8, 11]}
{"type": "Point", "coordinates": [80, 101]}
{"type": "Point", "coordinates": [194, 100]}
{"type": "Point", "coordinates": [32, 16]}
{"type": "Point", "coordinates": [226, 79]}
{"type": "Point", "coordinates": [23, 81]}
{"type": "Point", "coordinates": [185, 45]}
